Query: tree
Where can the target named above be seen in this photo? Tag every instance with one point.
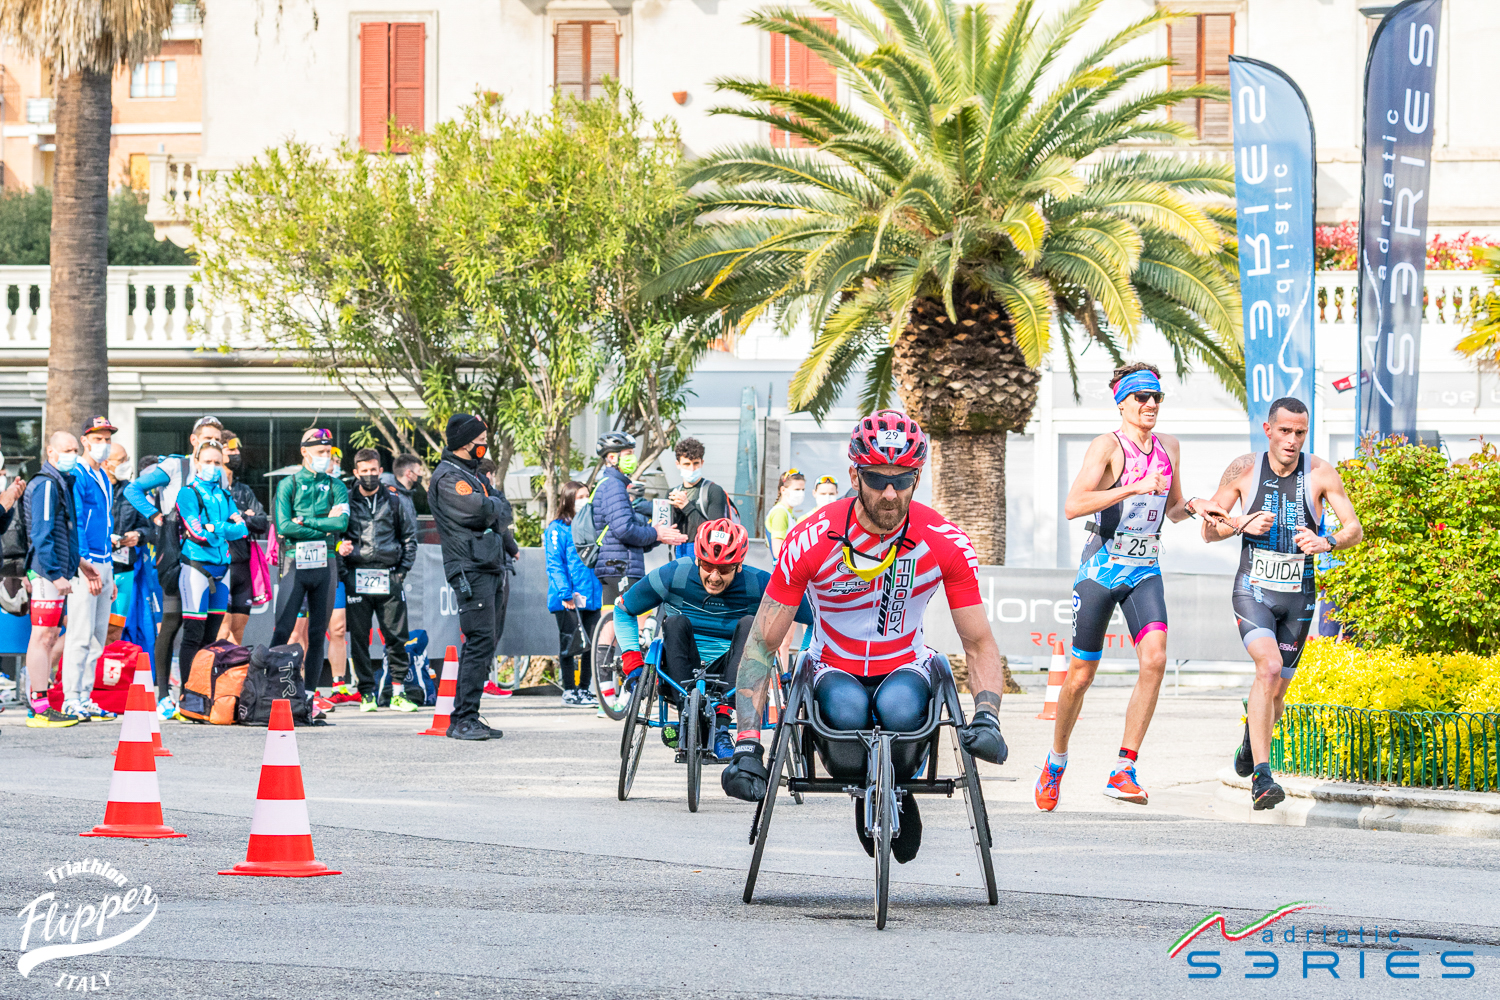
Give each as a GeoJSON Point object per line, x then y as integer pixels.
{"type": "Point", "coordinates": [1483, 344]}
{"type": "Point", "coordinates": [81, 43]}
{"type": "Point", "coordinates": [26, 231]}
{"type": "Point", "coordinates": [936, 228]}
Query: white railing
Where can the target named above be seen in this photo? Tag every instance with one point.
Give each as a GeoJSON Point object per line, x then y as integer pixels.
{"type": "Point", "coordinates": [1448, 297]}
{"type": "Point", "coordinates": [145, 308]}
{"type": "Point", "coordinates": [173, 187]}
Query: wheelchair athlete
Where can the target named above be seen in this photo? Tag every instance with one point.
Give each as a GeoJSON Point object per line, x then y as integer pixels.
{"type": "Point", "coordinates": [871, 563]}
{"type": "Point", "coordinates": [710, 603]}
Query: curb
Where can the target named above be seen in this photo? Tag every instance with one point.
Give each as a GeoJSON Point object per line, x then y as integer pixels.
{"type": "Point", "coordinates": [1339, 804]}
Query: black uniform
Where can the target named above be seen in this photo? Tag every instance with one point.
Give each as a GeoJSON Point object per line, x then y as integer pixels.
{"type": "Point", "coordinates": [383, 530]}
{"type": "Point", "coordinates": [127, 519]}
{"type": "Point", "coordinates": [1274, 593]}
{"type": "Point", "coordinates": [471, 521]}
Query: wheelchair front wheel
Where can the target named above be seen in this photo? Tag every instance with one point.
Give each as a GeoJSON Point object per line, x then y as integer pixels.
{"type": "Point", "coordinates": [692, 740]}
{"type": "Point", "coordinates": [885, 796]}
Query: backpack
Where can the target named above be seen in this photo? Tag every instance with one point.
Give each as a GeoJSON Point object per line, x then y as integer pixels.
{"type": "Point", "coordinates": [169, 538]}
{"type": "Point", "coordinates": [584, 540]}
{"type": "Point", "coordinates": [212, 690]}
{"type": "Point", "coordinates": [730, 508]}
{"type": "Point", "coordinates": [274, 672]}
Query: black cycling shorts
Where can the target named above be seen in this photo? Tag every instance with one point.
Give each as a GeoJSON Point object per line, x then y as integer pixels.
{"type": "Point", "coordinates": [240, 593]}
{"type": "Point", "coordinates": [1271, 614]}
{"type": "Point", "coordinates": [1144, 605]}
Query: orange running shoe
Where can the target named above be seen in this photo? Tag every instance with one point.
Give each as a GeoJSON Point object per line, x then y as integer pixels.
{"type": "Point", "coordinates": [1049, 786]}
{"type": "Point", "coordinates": [1123, 786]}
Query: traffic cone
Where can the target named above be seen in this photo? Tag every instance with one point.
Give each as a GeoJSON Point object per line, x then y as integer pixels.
{"type": "Point", "coordinates": [1056, 674]}
{"type": "Point", "coordinates": [143, 678]}
{"type": "Point", "coordinates": [134, 806]}
{"type": "Point", "coordinates": [447, 688]}
{"type": "Point", "coordinates": [280, 837]}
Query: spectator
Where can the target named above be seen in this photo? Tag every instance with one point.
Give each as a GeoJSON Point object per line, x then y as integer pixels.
{"type": "Point", "coordinates": [210, 521]}
{"type": "Point", "coordinates": [338, 627]}
{"type": "Point", "coordinates": [471, 520]}
{"type": "Point", "coordinates": [311, 513]}
{"type": "Point", "coordinates": [90, 599]}
{"type": "Point", "coordinates": [54, 568]}
{"type": "Point", "coordinates": [167, 477]}
{"type": "Point", "coordinates": [697, 500]}
{"type": "Point", "coordinates": [790, 490]}
{"type": "Point", "coordinates": [406, 472]}
{"type": "Point", "coordinates": [573, 596]}
{"type": "Point", "coordinates": [509, 552]}
{"type": "Point", "coordinates": [241, 593]}
{"type": "Point", "coordinates": [132, 530]}
{"type": "Point", "coordinates": [378, 550]}
{"type": "Point", "coordinates": [626, 534]}
{"type": "Point", "coordinates": [825, 492]}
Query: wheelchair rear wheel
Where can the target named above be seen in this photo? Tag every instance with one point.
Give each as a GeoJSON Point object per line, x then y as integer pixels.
{"type": "Point", "coordinates": [692, 745]}
{"type": "Point", "coordinates": [979, 821]}
{"type": "Point", "coordinates": [779, 693]}
{"type": "Point", "coordinates": [637, 727]}
{"type": "Point", "coordinates": [760, 827]}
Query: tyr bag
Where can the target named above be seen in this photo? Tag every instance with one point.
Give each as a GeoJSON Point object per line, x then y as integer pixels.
{"type": "Point", "coordinates": [274, 672]}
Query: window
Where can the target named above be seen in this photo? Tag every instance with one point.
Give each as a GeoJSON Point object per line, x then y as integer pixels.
{"type": "Point", "coordinates": [157, 78]}
{"type": "Point", "coordinates": [584, 53]}
{"type": "Point", "coordinates": [392, 75]}
{"type": "Point", "coordinates": [140, 172]}
{"type": "Point", "coordinates": [1201, 45]}
{"type": "Point", "coordinates": [793, 66]}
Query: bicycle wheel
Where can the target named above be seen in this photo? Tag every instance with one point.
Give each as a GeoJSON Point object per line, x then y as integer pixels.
{"type": "Point", "coordinates": [885, 805]}
{"type": "Point", "coordinates": [979, 821]}
{"type": "Point", "coordinates": [760, 826]}
{"type": "Point", "coordinates": [637, 727]}
{"type": "Point", "coordinates": [691, 739]}
{"type": "Point", "coordinates": [608, 676]}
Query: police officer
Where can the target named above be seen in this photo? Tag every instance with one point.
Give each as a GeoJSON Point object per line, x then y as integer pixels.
{"type": "Point", "coordinates": [471, 518]}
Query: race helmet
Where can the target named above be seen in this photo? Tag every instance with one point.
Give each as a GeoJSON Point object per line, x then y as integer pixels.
{"type": "Point", "coordinates": [888, 437]}
{"type": "Point", "coordinates": [722, 542]}
{"type": "Point", "coordinates": [614, 441]}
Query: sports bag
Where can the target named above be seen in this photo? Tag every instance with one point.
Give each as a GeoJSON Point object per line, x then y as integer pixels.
{"type": "Point", "coordinates": [584, 540]}
{"type": "Point", "coordinates": [274, 672]}
{"type": "Point", "coordinates": [114, 674]}
{"type": "Point", "coordinates": [214, 683]}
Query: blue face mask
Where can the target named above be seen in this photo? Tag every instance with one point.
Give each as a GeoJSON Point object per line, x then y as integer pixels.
{"type": "Point", "coordinates": [67, 461]}
{"type": "Point", "coordinates": [208, 473]}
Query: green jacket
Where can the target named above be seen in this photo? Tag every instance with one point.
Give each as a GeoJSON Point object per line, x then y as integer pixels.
{"type": "Point", "coordinates": [311, 496]}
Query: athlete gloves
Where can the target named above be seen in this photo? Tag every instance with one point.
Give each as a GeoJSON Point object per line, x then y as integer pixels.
{"type": "Point", "coordinates": [746, 776]}
{"type": "Point", "coordinates": [981, 737]}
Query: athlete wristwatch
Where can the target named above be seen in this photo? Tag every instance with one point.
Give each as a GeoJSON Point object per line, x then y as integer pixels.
{"type": "Point", "coordinates": [1187, 505]}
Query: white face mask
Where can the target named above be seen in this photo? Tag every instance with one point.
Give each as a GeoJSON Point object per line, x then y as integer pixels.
{"type": "Point", "coordinates": [690, 476]}
{"type": "Point", "coordinates": [124, 472]}
{"type": "Point", "coordinates": [320, 463]}
{"type": "Point", "coordinates": [99, 451]}
{"type": "Point", "coordinates": [819, 499]}
{"type": "Point", "coordinates": [794, 498]}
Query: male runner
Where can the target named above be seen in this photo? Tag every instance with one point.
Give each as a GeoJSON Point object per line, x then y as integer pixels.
{"type": "Point", "coordinates": [871, 563]}
{"type": "Point", "coordinates": [711, 599]}
{"type": "Point", "coordinates": [1282, 493]}
{"type": "Point", "coordinates": [1128, 487]}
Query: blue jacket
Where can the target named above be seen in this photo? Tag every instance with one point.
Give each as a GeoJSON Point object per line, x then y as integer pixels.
{"type": "Point", "coordinates": [200, 505]}
{"type": "Point", "coordinates": [623, 552]}
{"type": "Point", "coordinates": [566, 573]}
{"type": "Point", "coordinates": [53, 521]}
{"type": "Point", "coordinates": [92, 500]}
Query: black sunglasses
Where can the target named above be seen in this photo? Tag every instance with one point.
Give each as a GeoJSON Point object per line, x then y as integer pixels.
{"type": "Point", "coordinates": [1147, 397]}
{"type": "Point", "coordinates": [876, 481]}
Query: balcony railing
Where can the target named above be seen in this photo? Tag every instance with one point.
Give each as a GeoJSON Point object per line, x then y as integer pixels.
{"type": "Point", "coordinates": [173, 188]}
{"type": "Point", "coordinates": [1448, 297]}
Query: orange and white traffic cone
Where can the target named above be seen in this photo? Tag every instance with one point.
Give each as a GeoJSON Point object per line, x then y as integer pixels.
{"type": "Point", "coordinates": [1056, 674]}
{"type": "Point", "coordinates": [447, 690]}
{"type": "Point", "coordinates": [143, 678]}
{"type": "Point", "coordinates": [280, 836]}
{"type": "Point", "coordinates": [134, 807]}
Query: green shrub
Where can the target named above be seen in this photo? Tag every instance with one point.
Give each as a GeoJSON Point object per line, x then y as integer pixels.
{"type": "Point", "coordinates": [1427, 577]}
{"type": "Point", "coordinates": [26, 231]}
{"type": "Point", "coordinates": [1341, 673]}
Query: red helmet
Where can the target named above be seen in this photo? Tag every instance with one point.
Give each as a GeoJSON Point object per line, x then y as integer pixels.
{"type": "Point", "coordinates": [722, 542]}
{"type": "Point", "coordinates": [888, 437]}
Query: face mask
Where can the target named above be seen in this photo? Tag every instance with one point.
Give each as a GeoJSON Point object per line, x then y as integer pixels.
{"type": "Point", "coordinates": [67, 461]}
{"type": "Point", "coordinates": [208, 473]}
{"type": "Point", "coordinates": [480, 449]}
{"type": "Point", "coordinates": [234, 462]}
{"type": "Point", "coordinates": [794, 497]}
{"type": "Point", "coordinates": [627, 462]}
{"type": "Point", "coordinates": [370, 482]}
{"type": "Point", "coordinates": [99, 451]}
{"type": "Point", "coordinates": [124, 473]}
{"type": "Point", "coordinates": [690, 476]}
{"type": "Point", "coordinates": [819, 499]}
{"type": "Point", "coordinates": [320, 463]}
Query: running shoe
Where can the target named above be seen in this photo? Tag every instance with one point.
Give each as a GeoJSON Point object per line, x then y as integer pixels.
{"type": "Point", "coordinates": [76, 710]}
{"type": "Point", "coordinates": [342, 694]}
{"type": "Point", "coordinates": [669, 735]}
{"type": "Point", "coordinates": [1244, 759]}
{"type": "Point", "coordinates": [401, 703]}
{"type": "Point", "coordinates": [493, 690]}
{"type": "Point", "coordinates": [98, 712]}
{"type": "Point", "coordinates": [724, 744]}
{"type": "Point", "coordinates": [1123, 786]}
{"type": "Point", "coordinates": [1265, 793]}
{"type": "Point", "coordinates": [321, 703]}
{"type": "Point", "coordinates": [368, 704]}
{"type": "Point", "coordinates": [167, 708]}
{"type": "Point", "coordinates": [1049, 786]}
{"type": "Point", "coordinates": [50, 719]}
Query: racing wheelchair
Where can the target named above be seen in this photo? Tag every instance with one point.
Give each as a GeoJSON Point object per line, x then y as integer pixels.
{"type": "Point", "coordinates": [802, 735]}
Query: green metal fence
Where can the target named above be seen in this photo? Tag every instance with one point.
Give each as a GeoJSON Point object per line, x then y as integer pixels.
{"type": "Point", "coordinates": [1416, 749]}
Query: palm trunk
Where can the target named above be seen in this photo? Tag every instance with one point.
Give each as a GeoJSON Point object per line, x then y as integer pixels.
{"type": "Point", "coordinates": [78, 360]}
{"type": "Point", "coordinates": [968, 488]}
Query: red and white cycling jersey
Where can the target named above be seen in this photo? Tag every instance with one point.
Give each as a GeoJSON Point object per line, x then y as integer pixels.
{"type": "Point", "coordinates": [872, 628]}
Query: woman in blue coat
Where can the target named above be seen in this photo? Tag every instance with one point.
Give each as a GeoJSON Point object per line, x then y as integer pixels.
{"type": "Point", "coordinates": [573, 595]}
{"type": "Point", "coordinates": [210, 521]}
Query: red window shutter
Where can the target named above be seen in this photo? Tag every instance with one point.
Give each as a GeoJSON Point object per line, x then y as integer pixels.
{"type": "Point", "coordinates": [408, 69]}
{"type": "Point", "coordinates": [604, 56]}
{"type": "Point", "coordinates": [794, 66]}
{"type": "Point", "coordinates": [374, 84]}
{"type": "Point", "coordinates": [569, 63]}
{"type": "Point", "coordinates": [1182, 37]}
{"type": "Point", "coordinates": [1218, 43]}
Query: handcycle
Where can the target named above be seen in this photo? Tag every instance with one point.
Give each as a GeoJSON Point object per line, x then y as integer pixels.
{"type": "Point", "coordinates": [802, 726]}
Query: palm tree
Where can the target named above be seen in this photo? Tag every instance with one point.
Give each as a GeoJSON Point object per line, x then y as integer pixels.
{"type": "Point", "coordinates": [938, 225]}
{"type": "Point", "coordinates": [80, 43]}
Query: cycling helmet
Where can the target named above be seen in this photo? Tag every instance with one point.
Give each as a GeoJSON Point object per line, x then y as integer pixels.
{"type": "Point", "coordinates": [721, 542]}
{"type": "Point", "coordinates": [614, 441]}
{"type": "Point", "coordinates": [888, 437]}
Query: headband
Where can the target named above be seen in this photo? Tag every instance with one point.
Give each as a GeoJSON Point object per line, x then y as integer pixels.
{"type": "Point", "coordinates": [1141, 381]}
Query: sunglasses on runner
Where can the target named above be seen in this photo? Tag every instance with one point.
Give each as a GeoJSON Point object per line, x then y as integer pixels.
{"type": "Point", "coordinates": [876, 481]}
{"type": "Point", "coordinates": [1147, 397]}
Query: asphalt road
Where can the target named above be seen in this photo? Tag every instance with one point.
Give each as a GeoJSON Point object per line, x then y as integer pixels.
{"type": "Point", "coordinates": [508, 869]}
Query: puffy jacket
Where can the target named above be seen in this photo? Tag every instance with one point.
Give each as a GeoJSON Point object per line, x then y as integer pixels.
{"type": "Point", "coordinates": [630, 534]}
{"type": "Point", "coordinates": [54, 524]}
{"type": "Point", "coordinates": [383, 529]}
{"type": "Point", "coordinates": [128, 519]}
{"type": "Point", "coordinates": [471, 519]}
{"type": "Point", "coordinates": [206, 528]}
{"type": "Point", "coordinates": [320, 500]}
{"type": "Point", "coordinates": [566, 572]}
{"type": "Point", "coordinates": [256, 520]}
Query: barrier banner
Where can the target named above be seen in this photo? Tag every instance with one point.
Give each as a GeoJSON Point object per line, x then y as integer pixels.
{"type": "Point", "coordinates": [1400, 79]}
{"type": "Point", "coordinates": [1275, 192]}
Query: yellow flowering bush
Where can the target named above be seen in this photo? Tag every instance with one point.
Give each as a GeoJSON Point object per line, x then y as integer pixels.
{"type": "Point", "coordinates": [1341, 673]}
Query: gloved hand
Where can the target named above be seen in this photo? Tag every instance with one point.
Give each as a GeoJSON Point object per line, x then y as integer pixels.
{"type": "Point", "coordinates": [981, 737]}
{"type": "Point", "coordinates": [746, 776]}
{"type": "Point", "coordinates": [633, 659]}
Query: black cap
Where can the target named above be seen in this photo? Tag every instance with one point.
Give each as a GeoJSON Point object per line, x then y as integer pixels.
{"type": "Point", "coordinates": [463, 428]}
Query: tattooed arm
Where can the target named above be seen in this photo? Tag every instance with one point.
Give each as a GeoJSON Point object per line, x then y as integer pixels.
{"type": "Point", "coordinates": [986, 675]}
{"type": "Point", "coordinates": [772, 622]}
{"type": "Point", "coordinates": [1229, 493]}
